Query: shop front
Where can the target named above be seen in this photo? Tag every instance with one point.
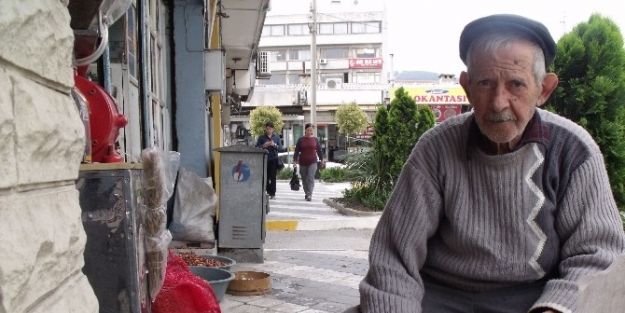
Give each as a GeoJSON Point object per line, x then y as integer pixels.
{"type": "Point", "coordinates": [445, 101]}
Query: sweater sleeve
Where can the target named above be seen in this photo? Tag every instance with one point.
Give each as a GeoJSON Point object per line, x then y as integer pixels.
{"type": "Point", "coordinates": [297, 150]}
{"type": "Point", "coordinates": [278, 142]}
{"type": "Point", "coordinates": [591, 234]}
{"type": "Point", "coordinates": [398, 246]}
{"type": "Point", "coordinates": [259, 142]}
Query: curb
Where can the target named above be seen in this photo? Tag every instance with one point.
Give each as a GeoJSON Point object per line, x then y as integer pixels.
{"type": "Point", "coordinates": [281, 225]}
{"type": "Point", "coordinates": [367, 222]}
{"type": "Point", "coordinates": [347, 211]}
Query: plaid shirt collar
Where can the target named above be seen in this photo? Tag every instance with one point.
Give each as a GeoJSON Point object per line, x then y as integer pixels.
{"type": "Point", "coordinates": [536, 131]}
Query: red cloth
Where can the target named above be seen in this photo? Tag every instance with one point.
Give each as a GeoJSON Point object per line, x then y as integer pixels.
{"type": "Point", "coordinates": [307, 150]}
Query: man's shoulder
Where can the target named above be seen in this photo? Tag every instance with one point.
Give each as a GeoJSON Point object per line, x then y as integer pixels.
{"type": "Point", "coordinates": [456, 126]}
{"type": "Point", "coordinates": [565, 132]}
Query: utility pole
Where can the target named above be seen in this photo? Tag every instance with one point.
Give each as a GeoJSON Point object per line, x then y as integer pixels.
{"type": "Point", "coordinates": [313, 67]}
{"type": "Point", "coordinates": [392, 73]}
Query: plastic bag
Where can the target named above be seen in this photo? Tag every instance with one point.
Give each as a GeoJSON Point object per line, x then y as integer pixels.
{"type": "Point", "coordinates": [195, 207]}
{"type": "Point", "coordinates": [157, 251]}
{"type": "Point", "coordinates": [159, 169]}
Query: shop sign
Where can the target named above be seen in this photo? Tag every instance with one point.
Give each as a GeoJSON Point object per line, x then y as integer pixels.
{"type": "Point", "coordinates": [365, 63]}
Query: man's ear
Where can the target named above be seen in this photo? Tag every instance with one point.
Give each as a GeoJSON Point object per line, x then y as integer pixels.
{"type": "Point", "coordinates": [464, 82]}
{"type": "Point", "coordinates": [549, 84]}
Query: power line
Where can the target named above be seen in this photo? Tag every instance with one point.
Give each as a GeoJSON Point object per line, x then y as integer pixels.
{"type": "Point", "coordinates": [376, 24]}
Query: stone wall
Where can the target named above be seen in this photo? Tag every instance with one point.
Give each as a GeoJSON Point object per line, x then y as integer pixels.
{"type": "Point", "coordinates": [41, 144]}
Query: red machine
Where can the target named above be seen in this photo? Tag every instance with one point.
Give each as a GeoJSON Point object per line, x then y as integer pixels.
{"type": "Point", "coordinates": [104, 119]}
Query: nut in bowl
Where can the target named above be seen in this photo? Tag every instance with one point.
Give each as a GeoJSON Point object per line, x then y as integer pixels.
{"type": "Point", "coordinates": [215, 261]}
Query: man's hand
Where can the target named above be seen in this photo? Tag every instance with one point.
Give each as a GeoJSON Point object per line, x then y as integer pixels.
{"type": "Point", "coordinates": [294, 162]}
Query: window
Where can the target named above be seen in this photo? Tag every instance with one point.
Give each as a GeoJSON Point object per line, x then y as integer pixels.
{"type": "Point", "coordinates": [364, 52]}
{"type": "Point", "coordinates": [365, 27]}
{"type": "Point", "coordinates": [326, 29]}
{"type": "Point", "coordinates": [131, 40]}
{"type": "Point", "coordinates": [293, 79]}
{"type": "Point", "coordinates": [277, 55]}
{"type": "Point", "coordinates": [298, 30]}
{"type": "Point", "coordinates": [334, 53]}
{"type": "Point", "coordinates": [340, 28]}
{"type": "Point", "coordinates": [273, 30]}
{"type": "Point", "coordinates": [276, 79]}
{"type": "Point", "coordinates": [367, 78]}
{"type": "Point", "coordinates": [299, 54]}
{"type": "Point", "coordinates": [332, 28]}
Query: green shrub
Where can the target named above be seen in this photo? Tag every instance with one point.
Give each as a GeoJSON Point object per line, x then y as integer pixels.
{"type": "Point", "coordinates": [370, 197]}
{"type": "Point", "coordinates": [286, 173]}
{"type": "Point", "coordinates": [335, 175]}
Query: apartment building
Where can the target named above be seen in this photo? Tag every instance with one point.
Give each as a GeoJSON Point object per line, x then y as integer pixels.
{"type": "Point", "coordinates": [351, 64]}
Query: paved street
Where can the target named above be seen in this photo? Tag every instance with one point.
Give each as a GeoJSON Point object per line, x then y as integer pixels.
{"type": "Point", "coordinates": [317, 265]}
{"type": "Point", "coordinates": [322, 278]}
{"type": "Point", "coordinates": [290, 211]}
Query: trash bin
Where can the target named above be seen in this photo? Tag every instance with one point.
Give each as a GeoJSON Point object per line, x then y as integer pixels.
{"type": "Point", "coordinates": [242, 203]}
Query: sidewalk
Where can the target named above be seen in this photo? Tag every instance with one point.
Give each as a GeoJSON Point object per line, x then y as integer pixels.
{"type": "Point", "coordinates": [290, 211]}
{"type": "Point", "coordinates": [315, 266]}
{"type": "Point", "coordinates": [311, 279]}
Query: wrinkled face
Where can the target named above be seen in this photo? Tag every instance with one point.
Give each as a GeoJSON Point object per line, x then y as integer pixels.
{"type": "Point", "coordinates": [504, 92]}
{"type": "Point", "coordinates": [308, 132]}
{"type": "Point", "coordinates": [269, 130]}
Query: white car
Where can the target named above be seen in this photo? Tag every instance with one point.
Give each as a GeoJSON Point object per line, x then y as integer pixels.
{"type": "Point", "coordinates": [287, 158]}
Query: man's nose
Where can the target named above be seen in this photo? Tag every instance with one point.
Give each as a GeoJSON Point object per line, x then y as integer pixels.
{"type": "Point", "coordinates": [501, 98]}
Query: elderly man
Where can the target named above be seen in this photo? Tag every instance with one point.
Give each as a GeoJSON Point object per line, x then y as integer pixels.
{"type": "Point", "coordinates": [502, 209]}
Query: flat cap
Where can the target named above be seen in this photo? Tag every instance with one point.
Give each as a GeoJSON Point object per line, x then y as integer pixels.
{"type": "Point", "coordinates": [510, 23]}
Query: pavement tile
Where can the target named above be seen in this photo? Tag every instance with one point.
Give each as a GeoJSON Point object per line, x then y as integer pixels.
{"type": "Point", "coordinates": [247, 309]}
{"type": "Point", "coordinates": [332, 306]}
{"type": "Point", "coordinates": [266, 302]}
{"type": "Point", "coordinates": [227, 304]}
{"type": "Point", "coordinates": [289, 308]}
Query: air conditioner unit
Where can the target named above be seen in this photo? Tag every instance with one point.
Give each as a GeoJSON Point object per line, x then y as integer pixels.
{"type": "Point", "coordinates": [323, 61]}
{"type": "Point", "coordinates": [334, 83]}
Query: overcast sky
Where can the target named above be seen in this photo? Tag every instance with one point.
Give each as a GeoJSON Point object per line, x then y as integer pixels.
{"type": "Point", "coordinates": [423, 35]}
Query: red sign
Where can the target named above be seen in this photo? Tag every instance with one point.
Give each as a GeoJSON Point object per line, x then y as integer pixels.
{"type": "Point", "coordinates": [365, 63]}
{"type": "Point", "coordinates": [443, 112]}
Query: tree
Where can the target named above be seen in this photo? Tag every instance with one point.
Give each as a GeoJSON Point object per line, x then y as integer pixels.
{"type": "Point", "coordinates": [381, 136]}
{"type": "Point", "coordinates": [591, 67]}
{"type": "Point", "coordinates": [263, 114]}
{"type": "Point", "coordinates": [406, 123]}
{"type": "Point", "coordinates": [351, 119]}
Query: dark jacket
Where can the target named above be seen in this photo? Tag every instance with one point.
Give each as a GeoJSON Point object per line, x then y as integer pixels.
{"type": "Point", "coordinates": [273, 151]}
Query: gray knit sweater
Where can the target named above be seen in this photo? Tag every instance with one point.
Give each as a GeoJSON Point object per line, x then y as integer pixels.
{"type": "Point", "coordinates": [480, 222]}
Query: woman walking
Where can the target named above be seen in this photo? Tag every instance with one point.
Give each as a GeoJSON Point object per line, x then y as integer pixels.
{"type": "Point", "coordinates": [272, 143]}
{"type": "Point", "coordinates": [307, 154]}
